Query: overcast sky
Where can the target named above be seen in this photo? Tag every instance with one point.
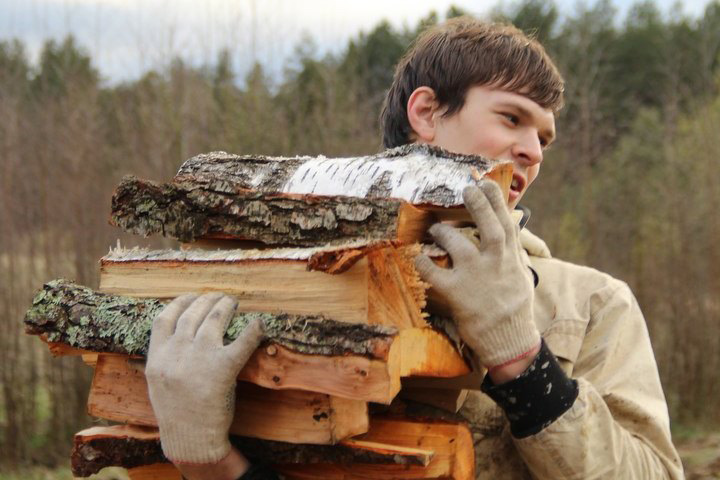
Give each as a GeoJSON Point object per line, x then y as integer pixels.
{"type": "Point", "coordinates": [126, 37]}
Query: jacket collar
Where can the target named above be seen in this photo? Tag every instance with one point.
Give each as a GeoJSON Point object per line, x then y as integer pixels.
{"type": "Point", "coordinates": [533, 245]}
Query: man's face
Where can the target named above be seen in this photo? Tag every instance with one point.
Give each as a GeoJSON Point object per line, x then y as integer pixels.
{"type": "Point", "coordinates": [502, 125]}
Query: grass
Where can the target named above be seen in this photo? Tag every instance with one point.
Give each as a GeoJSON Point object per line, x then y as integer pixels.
{"type": "Point", "coordinates": [38, 473]}
{"type": "Point", "coordinates": [699, 449]}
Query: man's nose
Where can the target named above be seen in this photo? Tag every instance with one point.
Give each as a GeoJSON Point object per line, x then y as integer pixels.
{"type": "Point", "coordinates": [528, 149]}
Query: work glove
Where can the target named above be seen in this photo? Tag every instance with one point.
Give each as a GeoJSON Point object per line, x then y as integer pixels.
{"type": "Point", "coordinates": [489, 289]}
{"type": "Point", "coordinates": [192, 376]}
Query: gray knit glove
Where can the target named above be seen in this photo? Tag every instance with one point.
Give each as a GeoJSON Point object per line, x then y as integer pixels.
{"type": "Point", "coordinates": [489, 289]}
{"type": "Point", "coordinates": [192, 376]}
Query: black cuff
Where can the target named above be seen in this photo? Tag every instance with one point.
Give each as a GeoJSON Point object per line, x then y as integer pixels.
{"type": "Point", "coordinates": [537, 397]}
{"type": "Point", "coordinates": [259, 472]}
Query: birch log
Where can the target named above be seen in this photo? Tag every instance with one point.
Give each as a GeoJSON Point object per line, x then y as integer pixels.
{"type": "Point", "coordinates": [304, 201]}
{"type": "Point", "coordinates": [418, 174]}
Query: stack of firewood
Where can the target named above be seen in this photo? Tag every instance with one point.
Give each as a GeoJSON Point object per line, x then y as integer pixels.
{"type": "Point", "coordinates": [322, 251]}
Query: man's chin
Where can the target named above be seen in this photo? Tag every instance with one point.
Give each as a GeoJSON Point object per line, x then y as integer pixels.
{"type": "Point", "coordinates": [514, 199]}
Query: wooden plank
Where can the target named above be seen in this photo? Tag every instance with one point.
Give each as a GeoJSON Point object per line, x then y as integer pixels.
{"type": "Point", "coordinates": [273, 287]}
{"type": "Point", "coordinates": [376, 286]}
{"type": "Point", "coordinates": [119, 393]}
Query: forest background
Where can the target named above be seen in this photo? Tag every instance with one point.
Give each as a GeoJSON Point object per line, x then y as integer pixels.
{"type": "Point", "coordinates": [630, 187]}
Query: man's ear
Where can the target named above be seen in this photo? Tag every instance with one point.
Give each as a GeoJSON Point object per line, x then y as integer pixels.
{"type": "Point", "coordinates": [422, 108]}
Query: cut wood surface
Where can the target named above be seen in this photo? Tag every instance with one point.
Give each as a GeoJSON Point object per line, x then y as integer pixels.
{"type": "Point", "coordinates": [119, 393]}
{"type": "Point", "coordinates": [381, 287]}
{"type": "Point", "coordinates": [275, 200]}
{"type": "Point", "coordinates": [451, 443]}
{"type": "Point", "coordinates": [413, 352]}
{"type": "Point", "coordinates": [355, 361]}
{"type": "Point", "coordinates": [133, 446]}
{"type": "Point", "coordinates": [156, 471]}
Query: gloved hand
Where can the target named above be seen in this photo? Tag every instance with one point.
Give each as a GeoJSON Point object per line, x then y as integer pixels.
{"type": "Point", "coordinates": [489, 289]}
{"type": "Point", "coordinates": [192, 376]}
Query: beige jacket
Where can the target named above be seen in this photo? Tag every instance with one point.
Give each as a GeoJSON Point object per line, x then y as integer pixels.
{"type": "Point", "coordinates": [618, 427]}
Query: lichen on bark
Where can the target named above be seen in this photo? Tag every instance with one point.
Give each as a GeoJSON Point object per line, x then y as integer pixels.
{"type": "Point", "coordinates": [79, 317]}
{"type": "Point", "coordinates": [189, 209]}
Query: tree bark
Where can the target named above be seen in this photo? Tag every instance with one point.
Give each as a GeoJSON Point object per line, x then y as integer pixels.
{"type": "Point", "coordinates": [418, 174]}
{"type": "Point", "coordinates": [188, 210]}
{"type": "Point", "coordinates": [79, 317]}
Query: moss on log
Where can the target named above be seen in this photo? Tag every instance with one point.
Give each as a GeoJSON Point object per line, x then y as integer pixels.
{"type": "Point", "coordinates": [64, 312]}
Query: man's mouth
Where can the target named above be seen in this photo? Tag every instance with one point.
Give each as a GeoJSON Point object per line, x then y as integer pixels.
{"type": "Point", "coordinates": [518, 183]}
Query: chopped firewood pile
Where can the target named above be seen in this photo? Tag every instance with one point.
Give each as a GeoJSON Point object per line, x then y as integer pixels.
{"type": "Point", "coordinates": [321, 251]}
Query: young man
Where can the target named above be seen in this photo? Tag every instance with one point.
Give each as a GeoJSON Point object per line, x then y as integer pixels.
{"type": "Point", "coordinates": [572, 389]}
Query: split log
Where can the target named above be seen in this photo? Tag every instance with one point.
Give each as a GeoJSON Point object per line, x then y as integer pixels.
{"type": "Point", "coordinates": [451, 444]}
{"type": "Point", "coordinates": [119, 392]}
{"type": "Point", "coordinates": [379, 285]}
{"type": "Point", "coordinates": [132, 446]}
{"type": "Point", "coordinates": [275, 200]}
{"type": "Point", "coordinates": [392, 448]}
{"type": "Point", "coordinates": [355, 361]}
{"type": "Point", "coordinates": [187, 212]}
{"type": "Point", "coordinates": [80, 317]}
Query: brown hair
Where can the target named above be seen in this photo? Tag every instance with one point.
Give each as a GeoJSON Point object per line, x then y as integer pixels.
{"type": "Point", "coordinates": [459, 54]}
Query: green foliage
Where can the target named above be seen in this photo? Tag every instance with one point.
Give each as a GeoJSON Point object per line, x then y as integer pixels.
{"type": "Point", "coordinates": [14, 69]}
{"type": "Point", "coordinates": [38, 473]}
{"type": "Point", "coordinates": [535, 17]}
{"type": "Point", "coordinates": [63, 66]}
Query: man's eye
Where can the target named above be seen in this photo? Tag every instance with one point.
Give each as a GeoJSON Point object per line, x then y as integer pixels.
{"type": "Point", "coordinates": [512, 118]}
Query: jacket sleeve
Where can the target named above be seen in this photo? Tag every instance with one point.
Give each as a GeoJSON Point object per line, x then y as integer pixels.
{"type": "Point", "coordinates": [618, 426]}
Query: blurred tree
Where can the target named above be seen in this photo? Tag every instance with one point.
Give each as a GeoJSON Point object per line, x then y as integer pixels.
{"type": "Point", "coordinates": [455, 11]}
{"type": "Point", "coordinates": [535, 17]}
{"type": "Point", "coordinates": [368, 65]}
{"type": "Point", "coordinates": [62, 67]}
